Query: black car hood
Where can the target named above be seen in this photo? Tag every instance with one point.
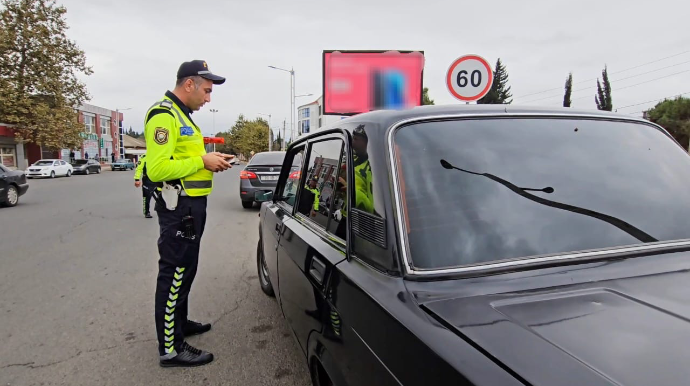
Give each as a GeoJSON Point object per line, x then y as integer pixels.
{"type": "Point", "coordinates": [632, 331]}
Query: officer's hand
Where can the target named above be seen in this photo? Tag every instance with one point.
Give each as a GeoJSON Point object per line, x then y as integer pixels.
{"type": "Point", "coordinates": [137, 184]}
{"type": "Point", "coordinates": [215, 162]}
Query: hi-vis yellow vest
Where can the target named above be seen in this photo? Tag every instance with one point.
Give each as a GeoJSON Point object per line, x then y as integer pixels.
{"type": "Point", "coordinates": [183, 141]}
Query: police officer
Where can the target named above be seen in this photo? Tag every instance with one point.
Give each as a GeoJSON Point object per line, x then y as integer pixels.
{"type": "Point", "coordinates": [364, 194]}
{"type": "Point", "coordinates": [147, 186]}
{"type": "Point", "coordinates": [310, 203]}
{"type": "Point", "coordinates": [177, 160]}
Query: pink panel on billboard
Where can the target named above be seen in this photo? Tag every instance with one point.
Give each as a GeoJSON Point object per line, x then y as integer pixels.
{"type": "Point", "coordinates": [358, 82]}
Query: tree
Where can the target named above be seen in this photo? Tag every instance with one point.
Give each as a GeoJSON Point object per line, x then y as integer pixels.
{"type": "Point", "coordinates": [674, 116]}
{"type": "Point", "coordinates": [603, 97]}
{"type": "Point", "coordinates": [39, 89]}
{"type": "Point", "coordinates": [247, 136]}
{"type": "Point", "coordinates": [500, 91]}
{"type": "Point", "coordinates": [425, 97]}
{"type": "Point", "coordinates": [568, 91]}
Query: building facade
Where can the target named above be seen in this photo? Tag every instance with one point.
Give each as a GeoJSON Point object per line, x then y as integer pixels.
{"type": "Point", "coordinates": [100, 140]}
{"type": "Point", "coordinates": [311, 118]}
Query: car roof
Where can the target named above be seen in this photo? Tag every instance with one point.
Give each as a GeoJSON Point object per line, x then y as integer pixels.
{"type": "Point", "coordinates": [383, 119]}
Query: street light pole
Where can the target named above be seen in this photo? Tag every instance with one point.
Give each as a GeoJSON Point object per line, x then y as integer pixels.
{"type": "Point", "coordinates": [292, 97]}
{"type": "Point", "coordinates": [121, 131]}
{"type": "Point", "coordinates": [214, 111]}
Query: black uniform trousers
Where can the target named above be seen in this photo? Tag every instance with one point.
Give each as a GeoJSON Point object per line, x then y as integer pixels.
{"type": "Point", "coordinates": [179, 257]}
{"type": "Point", "coordinates": [147, 188]}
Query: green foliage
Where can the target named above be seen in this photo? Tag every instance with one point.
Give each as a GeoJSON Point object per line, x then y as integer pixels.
{"type": "Point", "coordinates": [603, 97]}
{"type": "Point", "coordinates": [568, 91]}
{"type": "Point", "coordinates": [245, 136]}
{"type": "Point", "coordinates": [500, 91]}
{"type": "Point", "coordinates": [426, 100]}
{"type": "Point", "coordinates": [674, 116]}
{"type": "Point", "coordinates": [39, 89]}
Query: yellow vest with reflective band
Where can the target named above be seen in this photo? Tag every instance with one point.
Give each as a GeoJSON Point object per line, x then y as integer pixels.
{"type": "Point", "coordinates": [188, 146]}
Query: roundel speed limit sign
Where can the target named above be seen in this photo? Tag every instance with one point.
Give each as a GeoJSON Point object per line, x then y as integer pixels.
{"type": "Point", "coordinates": [469, 78]}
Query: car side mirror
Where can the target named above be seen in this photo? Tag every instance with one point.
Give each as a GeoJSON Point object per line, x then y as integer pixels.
{"type": "Point", "coordinates": [263, 196]}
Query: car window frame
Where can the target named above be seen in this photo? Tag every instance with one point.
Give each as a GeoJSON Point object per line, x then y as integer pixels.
{"type": "Point", "coordinates": [282, 180]}
{"type": "Point", "coordinates": [507, 265]}
{"type": "Point", "coordinates": [301, 186]}
{"type": "Point", "coordinates": [335, 133]}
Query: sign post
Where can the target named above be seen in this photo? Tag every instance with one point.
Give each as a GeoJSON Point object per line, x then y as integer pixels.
{"type": "Point", "coordinates": [469, 78]}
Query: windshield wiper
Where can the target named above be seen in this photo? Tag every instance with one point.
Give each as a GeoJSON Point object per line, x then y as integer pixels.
{"type": "Point", "coordinates": [618, 223]}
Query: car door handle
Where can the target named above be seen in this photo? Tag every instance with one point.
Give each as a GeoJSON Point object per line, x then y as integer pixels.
{"type": "Point", "coordinates": [317, 269]}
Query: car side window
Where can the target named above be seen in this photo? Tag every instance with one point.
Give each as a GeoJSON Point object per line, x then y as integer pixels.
{"type": "Point", "coordinates": [288, 192]}
{"type": "Point", "coordinates": [63, 163]}
{"type": "Point", "coordinates": [319, 183]}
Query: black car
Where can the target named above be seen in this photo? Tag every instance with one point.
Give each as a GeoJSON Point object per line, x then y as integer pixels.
{"type": "Point", "coordinates": [12, 185]}
{"type": "Point", "coordinates": [484, 245]}
{"type": "Point", "coordinates": [260, 175]}
{"type": "Point", "coordinates": [83, 166]}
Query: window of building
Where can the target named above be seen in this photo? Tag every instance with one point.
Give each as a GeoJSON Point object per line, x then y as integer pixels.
{"type": "Point", "coordinates": [89, 123]}
{"type": "Point", "coordinates": [306, 126]}
{"type": "Point", "coordinates": [8, 157]}
{"type": "Point", "coordinates": [105, 126]}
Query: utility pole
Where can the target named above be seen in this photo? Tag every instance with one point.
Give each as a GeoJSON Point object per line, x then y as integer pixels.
{"type": "Point", "coordinates": [284, 135]}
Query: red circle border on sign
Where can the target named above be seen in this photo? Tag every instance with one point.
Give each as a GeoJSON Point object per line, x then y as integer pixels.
{"type": "Point", "coordinates": [460, 60]}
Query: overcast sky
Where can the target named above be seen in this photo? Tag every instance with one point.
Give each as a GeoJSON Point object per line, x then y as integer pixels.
{"type": "Point", "coordinates": [135, 48]}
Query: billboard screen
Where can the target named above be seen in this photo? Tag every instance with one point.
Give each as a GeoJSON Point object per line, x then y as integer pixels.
{"type": "Point", "coordinates": [356, 82]}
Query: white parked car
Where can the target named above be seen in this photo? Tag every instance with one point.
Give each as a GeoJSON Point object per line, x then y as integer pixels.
{"type": "Point", "coordinates": [49, 168]}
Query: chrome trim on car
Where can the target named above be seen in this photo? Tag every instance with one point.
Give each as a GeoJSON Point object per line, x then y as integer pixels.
{"type": "Point", "coordinates": [478, 268]}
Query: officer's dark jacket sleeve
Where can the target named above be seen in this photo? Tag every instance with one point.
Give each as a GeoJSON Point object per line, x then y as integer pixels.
{"type": "Point", "coordinates": [159, 150]}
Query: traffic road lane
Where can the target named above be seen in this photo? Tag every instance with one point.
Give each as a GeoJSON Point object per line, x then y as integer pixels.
{"type": "Point", "coordinates": [79, 265]}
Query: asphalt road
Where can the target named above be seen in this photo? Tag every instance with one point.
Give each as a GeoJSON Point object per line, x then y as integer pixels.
{"type": "Point", "coordinates": [78, 265]}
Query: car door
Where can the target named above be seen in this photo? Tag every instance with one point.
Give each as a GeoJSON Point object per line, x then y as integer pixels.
{"type": "Point", "coordinates": [4, 177]}
{"type": "Point", "coordinates": [307, 252]}
{"type": "Point", "coordinates": [64, 168]}
{"type": "Point", "coordinates": [279, 209]}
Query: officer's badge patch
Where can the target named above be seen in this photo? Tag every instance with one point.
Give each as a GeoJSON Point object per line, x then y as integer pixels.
{"type": "Point", "coordinates": [161, 135]}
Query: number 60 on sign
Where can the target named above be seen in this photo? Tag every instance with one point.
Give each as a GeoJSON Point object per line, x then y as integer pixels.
{"type": "Point", "coordinates": [469, 78]}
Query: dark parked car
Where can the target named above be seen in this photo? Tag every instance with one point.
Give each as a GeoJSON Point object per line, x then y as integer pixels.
{"type": "Point", "coordinates": [122, 164]}
{"type": "Point", "coordinates": [83, 166]}
{"type": "Point", "coordinates": [260, 175]}
{"type": "Point", "coordinates": [12, 185]}
{"type": "Point", "coordinates": [485, 245]}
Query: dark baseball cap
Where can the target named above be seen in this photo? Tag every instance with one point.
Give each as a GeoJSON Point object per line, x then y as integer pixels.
{"type": "Point", "coordinates": [198, 68]}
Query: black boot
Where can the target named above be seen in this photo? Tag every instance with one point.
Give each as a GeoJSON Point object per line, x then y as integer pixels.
{"type": "Point", "coordinates": [148, 215]}
{"type": "Point", "coordinates": [188, 357]}
{"type": "Point", "coordinates": [195, 328]}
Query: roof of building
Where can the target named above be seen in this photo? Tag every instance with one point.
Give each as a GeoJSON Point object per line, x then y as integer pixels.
{"type": "Point", "coordinates": [133, 142]}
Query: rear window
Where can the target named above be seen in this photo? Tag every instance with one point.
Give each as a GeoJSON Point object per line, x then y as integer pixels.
{"type": "Point", "coordinates": [477, 191]}
{"type": "Point", "coordinates": [268, 159]}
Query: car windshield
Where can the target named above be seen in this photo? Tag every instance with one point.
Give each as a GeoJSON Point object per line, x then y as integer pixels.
{"type": "Point", "coordinates": [122, 160]}
{"type": "Point", "coordinates": [79, 162]}
{"type": "Point", "coordinates": [268, 159]}
{"type": "Point", "coordinates": [43, 163]}
{"type": "Point", "coordinates": [477, 191]}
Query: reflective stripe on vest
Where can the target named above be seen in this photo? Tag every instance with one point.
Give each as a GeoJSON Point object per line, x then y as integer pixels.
{"type": "Point", "coordinates": [187, 146]}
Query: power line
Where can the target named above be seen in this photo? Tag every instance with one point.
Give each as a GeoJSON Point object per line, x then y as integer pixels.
{"type": "Point", "coordinates": [653, 100]}
{"type": "Point", "coordinates": [613, 81]}
{"type": "Point", "coordinates": [617, 72]}
{"type": "Point", "coordinates": [637, 84]}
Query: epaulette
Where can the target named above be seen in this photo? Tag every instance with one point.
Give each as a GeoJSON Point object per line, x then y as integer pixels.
{"type": "Point", "coordinates": [167, 104]}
